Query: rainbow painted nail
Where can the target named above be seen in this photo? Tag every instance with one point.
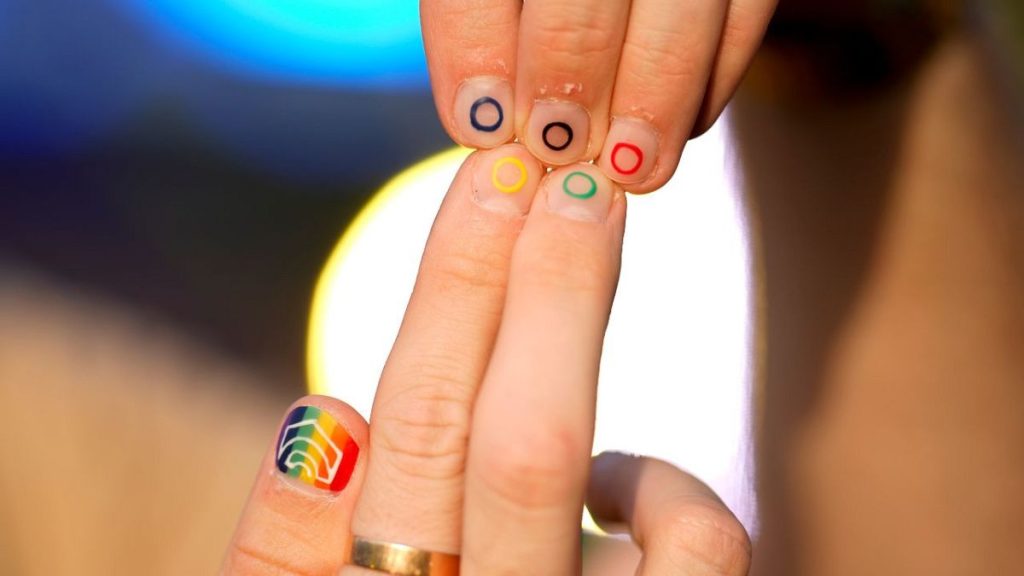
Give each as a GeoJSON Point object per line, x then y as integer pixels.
{"type": "Point", "coordinates": [316, 449]}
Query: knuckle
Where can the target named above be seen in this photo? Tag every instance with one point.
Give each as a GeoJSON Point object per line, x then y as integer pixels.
{"type": "Point", "coordinates": [706, 533]}
{"type": "Point", "coordinates": [575, 38]}
{"type": "Point", "coordinates": [665, 55]}
{"type": "Point", "coordinates": [737, 35]}
{"type": "Point", "coordinates": [486, 25]}
{"type": "Point", "coordinates": [660, 177]}
{"type": "Point", "coordinates": [535, 472]}
{"type": "Point", "coordinates": [743, 28]}
{"type": "Point", "coordinates": [245, 559]}
{"type": "Point", "coordinates": [423, 431]}
{"type": "Point", "coordinates": [463, 267]}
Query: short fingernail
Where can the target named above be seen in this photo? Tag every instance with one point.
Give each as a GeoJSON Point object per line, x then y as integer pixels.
{"type": "Point", "coordinates": [630, 151]}
{"type": "Point", "coordinates": [558, 132]}
{"type": "Point", "coordinates": [579, 192]}
{"type": "Point", "coordinates": [314, 448]}
{"type": "Point", "coordinates": [483, 112]}
{"type": "Point", "coordinates": [505, 179]}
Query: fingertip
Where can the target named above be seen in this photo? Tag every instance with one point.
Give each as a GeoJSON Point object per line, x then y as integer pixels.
{"type": "Point", "coordinates": [558, 132]}
{"type": "Point", "coordinates": [631, 151]}
{"type": "Point", "coordinates": [607, 484]}
{"type": "Point", "coordinates": [300, 508]}
{"type": "Point", "coordinates": [581, 192]}
{"type": "Point", "coordinates": [319, 444]}
{"type": "Point", "coordinates": [505, 179]}
{"type": "Point", "coordinates": [483, 115]}
{"type": "Point", "coordinates": [664, 170]}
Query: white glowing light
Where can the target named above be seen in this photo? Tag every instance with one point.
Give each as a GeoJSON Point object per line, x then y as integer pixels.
{"type": "Point", "coordinates": [675, 377]}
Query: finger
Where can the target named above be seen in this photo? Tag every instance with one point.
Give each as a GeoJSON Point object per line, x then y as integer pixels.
{"type": "Point", "coordinates": [421, 413]}
{"type": "Point", "coordinates": [568, 53]}
{"type": "Point", "coordinates": [471, 51]}
{"type": "Point", "coordinates": [681, 525]}
{"type": "Point", "coordinates": [666, 62]}
{"type": "Point", "coordinates": [745, 24]}
{"type": "Point", "coordinates": [533, 421]}
{"type": "Point", "coordinates": [297, 518]}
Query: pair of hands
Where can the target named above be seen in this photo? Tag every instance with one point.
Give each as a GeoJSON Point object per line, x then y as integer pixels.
{"type": "Point", "coordinates": [483, 420]}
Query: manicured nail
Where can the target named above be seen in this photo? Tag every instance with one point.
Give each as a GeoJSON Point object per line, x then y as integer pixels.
{"type": "Point", "coordinates": [579, 192]}
{"type": "Point", "coordinates": [316, 449]}
{"type": "Point", "coordinates": [558, 132]}
{"type": "Point", "coordinates": [483, 112]}
{"type": "Point", "coordinates": [505, 179]}
{"type": "Point", "coordinates": [630, 152]}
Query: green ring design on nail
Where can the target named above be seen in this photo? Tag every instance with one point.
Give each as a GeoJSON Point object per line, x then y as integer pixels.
{"type": "Point", "coordinates": [585, 195]}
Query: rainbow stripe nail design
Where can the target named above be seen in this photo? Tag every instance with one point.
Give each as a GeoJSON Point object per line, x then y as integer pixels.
{"type": "Point", "coordinates": [316, 449]}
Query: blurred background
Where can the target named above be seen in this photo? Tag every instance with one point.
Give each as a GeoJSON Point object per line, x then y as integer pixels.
{"type": "Point", "coordinates": [198, 158]}
{"type": "Point", "coordinates": [175, 176]}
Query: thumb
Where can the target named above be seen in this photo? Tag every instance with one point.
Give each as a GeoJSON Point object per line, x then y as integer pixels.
{"type": "Point", "coordinates": [678, 521]}
{"type": "Point", "coordinates": [298, 514]}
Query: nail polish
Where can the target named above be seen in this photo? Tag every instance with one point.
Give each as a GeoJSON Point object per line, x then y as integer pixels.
{"type": "Point", "coordinates": [558, 132]}
{"type": "Point", "coordinates": [483, 112]}
{"type": "Point", "coordinates": [579, 192]}
{"type": "Point", "coordinates": [314, 448]}
{"type": "Point", "coordinates": [630, 151]}
{"type": "Point", "coordinates": [505, 179]}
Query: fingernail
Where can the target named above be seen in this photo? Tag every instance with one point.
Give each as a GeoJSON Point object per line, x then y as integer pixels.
{"type": "Point", "coordinates": [505, 179]}
{"type": "Point", "coordinates": [314, 448]}
{"type": "Point", "coordinates": [558, 132]}
{"type": "Point", "coordinates": [483, 112]}
{"type": "Point", "coordinates": [579, 192]}
{"type": "Point", "coordinates": [630, 151]}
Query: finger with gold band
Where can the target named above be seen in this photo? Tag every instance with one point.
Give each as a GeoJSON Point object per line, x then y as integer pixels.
{"type": "Point", "coordinates": [400, 559]}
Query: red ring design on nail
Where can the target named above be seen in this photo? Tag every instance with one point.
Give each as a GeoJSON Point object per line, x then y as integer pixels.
{"type": "Point", "coordinates": [632, 147]}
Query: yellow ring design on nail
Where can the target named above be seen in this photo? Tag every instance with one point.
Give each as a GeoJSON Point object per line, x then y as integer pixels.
{"type": "Point", "coordinates": [519, 183]}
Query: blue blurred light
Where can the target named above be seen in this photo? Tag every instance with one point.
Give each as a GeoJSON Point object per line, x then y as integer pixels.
{"type": "Point", "coordinates": [351, 43]}
{"type": "Point", "coordinates": [70, 73]}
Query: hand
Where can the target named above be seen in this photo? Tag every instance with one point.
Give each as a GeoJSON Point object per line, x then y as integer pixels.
{"type": "Point", "coordinates": [624, 81]}
{"type": "Point", "coordinates": [480, 436]}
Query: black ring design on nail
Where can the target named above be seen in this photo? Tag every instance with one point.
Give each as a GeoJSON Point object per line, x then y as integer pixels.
{"type": "Point", "coordinates": [568, 134]}
{"type": "Point", "coordinates": [476, 107]}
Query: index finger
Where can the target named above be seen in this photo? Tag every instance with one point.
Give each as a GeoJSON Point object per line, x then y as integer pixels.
{"type": "Point", "coordinates": [471, 51]}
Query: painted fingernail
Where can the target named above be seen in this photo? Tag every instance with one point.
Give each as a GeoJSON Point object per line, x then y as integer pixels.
{"type": "Point", "coordinates": [314, 448]}
{"type": "Point", "coordinates": [505, 179]}
{"type": "Point", "coordinates": [558, 132]}
{"type": "Point", "coordinates": [579, 192]}
{"type": "Point", "coordinates": [483, 112]}
{"type": "Point", "coordinates": [630, 151]}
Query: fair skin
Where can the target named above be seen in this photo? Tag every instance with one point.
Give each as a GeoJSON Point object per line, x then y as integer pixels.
{"type": "Point", "coordinates": [448, 466]}
{"type": "Point", "coordinates": [891, 439]}
{"type": "Point", "coordinates": [479, 439]}
{"type": "Point", "coordinates": [644, 73]}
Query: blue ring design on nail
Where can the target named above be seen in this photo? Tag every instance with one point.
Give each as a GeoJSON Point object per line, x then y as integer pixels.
{"type": "Point", "coordinates": [476, 107]}
{"type": "Point", "coordinates": [568, 135]}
